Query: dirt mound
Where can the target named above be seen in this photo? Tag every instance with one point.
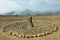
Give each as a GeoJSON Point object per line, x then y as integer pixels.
{"type": "Point", "coordinates": [25, 29]}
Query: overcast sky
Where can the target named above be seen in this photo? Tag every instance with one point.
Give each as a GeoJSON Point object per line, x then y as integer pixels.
{"type": "Point", "coordinates": [34, 5]}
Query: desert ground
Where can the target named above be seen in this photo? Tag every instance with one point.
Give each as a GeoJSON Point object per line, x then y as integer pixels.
{"type": "Point", "coordinates": [48, 27]}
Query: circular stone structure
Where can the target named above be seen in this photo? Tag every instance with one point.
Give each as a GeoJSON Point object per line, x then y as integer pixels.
{"type": "Point", "coordinates": [25, 30]}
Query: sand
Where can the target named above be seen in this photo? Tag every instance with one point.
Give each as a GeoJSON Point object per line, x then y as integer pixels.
{"type": "Point", "coordinates": [9, 23]}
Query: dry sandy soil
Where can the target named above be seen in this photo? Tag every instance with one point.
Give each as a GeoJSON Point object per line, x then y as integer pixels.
{"type": "Point", "coordinates": [54, 19]}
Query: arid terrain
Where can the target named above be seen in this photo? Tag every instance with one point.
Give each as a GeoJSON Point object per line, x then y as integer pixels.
{"type": "Point", "coordinates": [30, 27]}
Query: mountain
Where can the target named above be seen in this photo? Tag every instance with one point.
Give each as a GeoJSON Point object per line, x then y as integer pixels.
{"type": "Point", "coordinates": [29, 12]}
{"type": "Point", "coordinates": [24, 12]}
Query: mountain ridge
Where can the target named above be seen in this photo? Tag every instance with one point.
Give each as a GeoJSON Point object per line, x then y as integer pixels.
{"type": "Point", "coordinates": [29, 12]}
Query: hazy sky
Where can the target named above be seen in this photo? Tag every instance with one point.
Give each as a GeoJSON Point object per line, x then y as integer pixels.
{"type": "Point", "coordinates": [34, 5]}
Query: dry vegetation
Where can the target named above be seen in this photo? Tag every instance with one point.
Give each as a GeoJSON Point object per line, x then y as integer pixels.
{"type": "Point", "coordinates": [26, 28]}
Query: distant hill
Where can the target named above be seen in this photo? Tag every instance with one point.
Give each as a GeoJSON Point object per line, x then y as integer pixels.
{"type": "Point", "coordinates": [24, 12]}
{"type": "Point", "coordinates": [29, 12]}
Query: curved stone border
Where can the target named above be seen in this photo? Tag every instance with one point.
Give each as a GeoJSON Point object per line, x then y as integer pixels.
{"type": "Point", "coordinates": [21, 34]}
